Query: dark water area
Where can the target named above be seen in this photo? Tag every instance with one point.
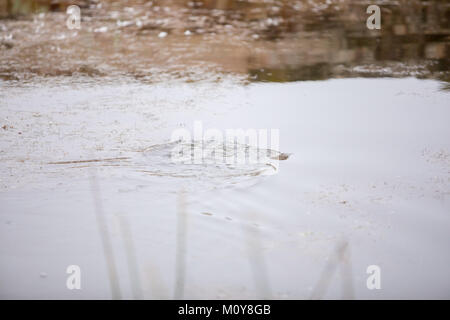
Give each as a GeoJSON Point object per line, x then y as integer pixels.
{"type": "Point", "coordinates": [276, 41]}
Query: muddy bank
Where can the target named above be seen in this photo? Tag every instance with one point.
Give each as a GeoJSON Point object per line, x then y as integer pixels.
{"type": "Point", "coordinates": [260, 40]}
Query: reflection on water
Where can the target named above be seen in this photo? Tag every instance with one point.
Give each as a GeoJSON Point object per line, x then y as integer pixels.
{"type": "Point", "coordinates": [266, 40]}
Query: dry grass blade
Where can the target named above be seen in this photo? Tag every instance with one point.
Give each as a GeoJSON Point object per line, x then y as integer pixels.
{"type": "Point", "coordinates": [104, 235]}
{"type": "Point", "coordinates": [131, 258]}
{"type": "Point", "coordinates": [180, 258]}
{"type": "Point", "coordinates": [340, 256]}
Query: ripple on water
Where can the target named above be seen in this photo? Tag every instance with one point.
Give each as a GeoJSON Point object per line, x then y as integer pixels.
{"type": "Point", "coordinates": [209, 164]}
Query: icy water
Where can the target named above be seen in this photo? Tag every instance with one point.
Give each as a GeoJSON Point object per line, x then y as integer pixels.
{"type": "Point", "coordinates": [360, 176]}
{"type": "Point", "coordinates": [369, 168]}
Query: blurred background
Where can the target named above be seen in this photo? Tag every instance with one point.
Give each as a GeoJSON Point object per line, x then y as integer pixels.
{"type": "Point", "coordinates": [266, 40]}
